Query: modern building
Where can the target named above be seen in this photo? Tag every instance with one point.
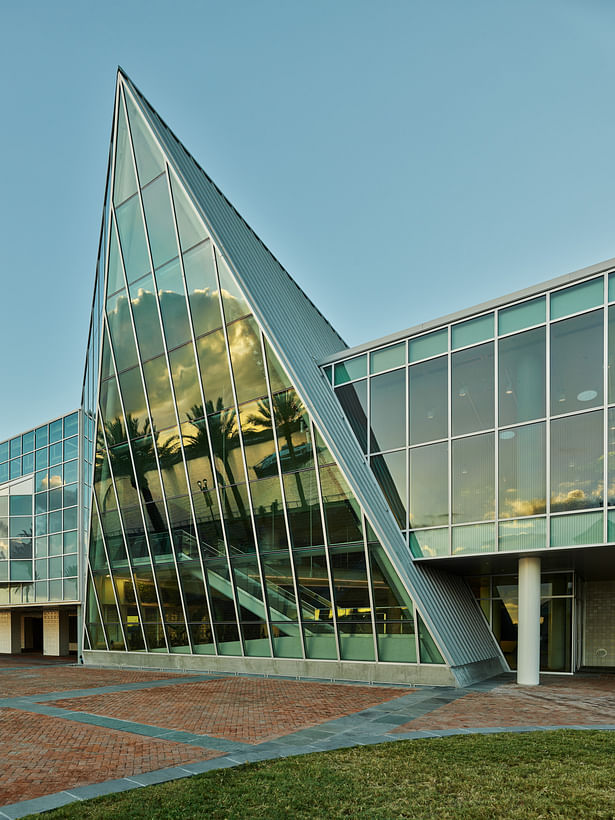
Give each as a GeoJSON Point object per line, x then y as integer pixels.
{"type": "Point", "coordinates": [433, 507]}
{"type": "Point", "coordinates": [42, 529]}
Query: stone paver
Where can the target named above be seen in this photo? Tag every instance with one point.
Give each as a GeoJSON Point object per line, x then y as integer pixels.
{"type": "Point", "coordinates": [242, 709]}
{"type": "Point", "coordinates": [557, 702]}
{"type": "Point", "coordinates": [33, 681]}
{"type": "Point", "coordinates": [42, 755]}
{"type": "Point", "coordinates": [69, 733]}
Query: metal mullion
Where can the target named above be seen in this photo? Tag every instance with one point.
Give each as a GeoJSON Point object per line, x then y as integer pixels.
{"type": "Point", "coordinates": [128, 558]}
{"type": "Point", "coordinates": [283, 493]}
{"type": "Point", "coordinates": [102, 623]}
{"type": "Point", "coordinates": [548, 419]}
{"type": "Point", "coordinates": [368, 575]}
{"type": "Point", "coordinates": [496, 436]}
{"type": "Point", "coordinates": [326, 545]}
{"type": "Point", "coordinates": [104, 542]}
{"type": "Point", "coordinates": [245, 467]}
{"type": "Point", "coordinates": [200, 385]}
{"type": "Point", "coordinates": [407, 448]}
{"type": "Point", "coordinates": [449, 391]}
{"type": "Point", "coordinates": [605, 412]}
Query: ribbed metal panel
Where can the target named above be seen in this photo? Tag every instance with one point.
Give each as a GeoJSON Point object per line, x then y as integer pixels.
{"type": "Point", "coordinates": [302, 337]}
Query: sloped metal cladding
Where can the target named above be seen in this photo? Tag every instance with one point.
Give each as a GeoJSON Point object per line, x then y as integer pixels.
{"type": "Point", "coordinates": [300, 337]}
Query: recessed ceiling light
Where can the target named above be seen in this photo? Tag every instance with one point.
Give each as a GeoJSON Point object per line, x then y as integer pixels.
{"type": "Point", "coordinates": [587, 395]}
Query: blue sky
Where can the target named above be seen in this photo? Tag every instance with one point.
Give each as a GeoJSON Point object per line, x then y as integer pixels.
{"type": "Point", "coordinates": [401, 159]}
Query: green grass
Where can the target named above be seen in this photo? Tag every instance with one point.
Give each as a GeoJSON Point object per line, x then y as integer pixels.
{"type": "Point", "coordinates": [562, 774]}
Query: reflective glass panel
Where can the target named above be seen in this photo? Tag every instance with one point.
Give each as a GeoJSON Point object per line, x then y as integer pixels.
{"type": "Point", "coordinates": [125, 181]}
{"type": "Point", "coordinates": [213, 364]}
{"type": "Point", "coordinates": [522, 377]}
{"type": "Point", "coordinates": [576, 363]}
{"type": "Point", "coordinates": [577, 297]}
{"type": "Point", "coordinates": [191, 230]}
{"type": "Point", "coordinates": [472, 331]}
{"type": "Point", "coordinates": [388, 410]}
{"type": "Point", "coordinates": [342, 511]}
{"type": "Point", "coordinates": [582, 528]}
{"type": "Point", "coordinates": [185, 382]}
{"type": "Point", "coordinates": [353, 398]}
{"type": "Point", "coordinates": [247, 360]}
{"type": "Point", "coordinates": [390, 470]}
{"type": "Point", "coordinates": [522, 468]}
{"type": "Point", "coordinates": [159, 221]}
{"type": "Point", "coordinates": [257, 432]}
{"type": "Point", "coordinates": [523, 534]}
{"type": "Point", "coordinates": [475, 538]}
{"type": "Point", "coordinates": [120, 326]}
{"type": "Point", "coordinates": [432, 344]}
{"type": "Point", "coordinates": [428, 482]}
{"type": "Point", "coordinates": [132, 239]}
{"type": "Point", "coordinates": [159, 393]}
{"type": "Point", "coordinates": [202, 287]}
{"type": "Point", "coordinates": [577, 462]}
{"type": "Point", "coordinates": [472, 397]}
{"type": "Point", "coordinates": [303, 509]}
{"type": "Point", "coordinates": [387, 358]}
{"type": "Point", "coordinates": [473, 479]}
{"type": "Point", "coordinates": [428, 407]}
{"type": "Point", "coordinates": [235, 304]}
{"type": "Point", "coordinates": [173, 306]}
{"type": "Point", "coordinates": [350, 369]}
{"type": "Point", "coordinates": [149, 157]}
{"type": "Point", "coordinates": [269, 520]}
{"type": "Point", "coordinates": [523, 315]}
{"type": "Point", "coordinates": [145, 314]}
{"type": "Point", "coordinates": [429, 543]}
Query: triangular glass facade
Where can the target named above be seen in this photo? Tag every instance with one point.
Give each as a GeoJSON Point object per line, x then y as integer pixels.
{"type": "Point", "coordinates": [220, 524]}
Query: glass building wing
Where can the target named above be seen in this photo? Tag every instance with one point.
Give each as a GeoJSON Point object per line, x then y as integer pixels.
{"type": "Point", "coordinates": [224, 520]}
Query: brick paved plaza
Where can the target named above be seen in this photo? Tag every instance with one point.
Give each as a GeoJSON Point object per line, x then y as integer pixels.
{"type": "Point", "coordinates": [70, 732]}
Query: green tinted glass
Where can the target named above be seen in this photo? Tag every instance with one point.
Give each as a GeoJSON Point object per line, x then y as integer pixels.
{"type": "Point", "coordinates": [433, 344]}
{"type": "Point", "coordinates": [387, 358]}
{"type": "Point", "coordinates": [518, 317]}
{"type": "Point", "coordinates": [472, 331]}
{"type": "Point", "coordinates": [351, 369]}
{"type": "Point", "coordinates": [576, 298]}
{"type": "Point", "coordinates": [580, 528]}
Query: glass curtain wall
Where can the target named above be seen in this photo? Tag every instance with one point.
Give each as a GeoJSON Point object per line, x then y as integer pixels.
{"type": "Point", "coordinates": [458, 424]}
{"type": "Point", "coordinates": [39, 526]}
{"type": "Point", "coordinates": [220, 522]}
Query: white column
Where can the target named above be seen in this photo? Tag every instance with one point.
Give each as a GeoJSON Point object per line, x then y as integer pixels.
{"type": "Point", "coordinates": [528, 651]}
{"type": "Point", "coordinates": [10, 632]}
{"type": "Point", "coordinates": [55, 632]}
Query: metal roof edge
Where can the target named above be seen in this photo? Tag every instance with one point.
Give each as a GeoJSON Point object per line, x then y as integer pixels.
{"type": "Point", "coordinates": [467, 313]}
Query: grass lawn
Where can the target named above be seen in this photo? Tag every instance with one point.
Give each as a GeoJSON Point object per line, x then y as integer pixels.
{"type": "Point", "coordinates": [561, 774]}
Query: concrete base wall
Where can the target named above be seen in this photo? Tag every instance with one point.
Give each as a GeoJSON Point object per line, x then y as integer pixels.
{"type": "Point", "coordinates": [409, 674]}
{"type": "Point", "coordinates": [599, 625]}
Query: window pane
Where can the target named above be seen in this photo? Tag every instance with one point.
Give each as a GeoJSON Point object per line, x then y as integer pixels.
{"type": "Point", "coordinates": [202, 287]}
{"type": "Point", "coordinates": [472, 396]}
{"type": "Point", "coordinates": [149, 158]}
{"type": "Point", "coordinates": [521, 316]}
{"type": "Point", "coordinates": [173, 305]}
{"type": "Point", "coordinates": [388, 410]}
{"type": "Point", "coordinates": [522, 467]}
{"type": "Point", "coordinates": [430, 345]}
{"type": "Point", "coordinates": [582, 528]}
{"type": "Point", "coordinates": [145, 314]}
{"type": "Point", "coordinates": [342, 511]}
{"type": "Point", "coordinates": [390, 470]}
{"type": "Point", "coordinates": [429, 543]}
{"type": "Point", "coordinates": [303, 509]}
{"type": "Point", "coordinates": [235, 304]}
{"type": "Point", "coordinates": [576, 462]}
{"type": "Point", "coordinates": [353, 398]}
{"type": "Point", "coordinates": [428, 482]}
{"type": "Point", "coordinates": [521, 377]}
{"type": "Point", "coordinates": [473, 479]}
{"type": "Point", "coordinates": [213, 364]}
{"type": "Point", "coordinates": [428, 407]}
{"type": "Point", "coordinates": [351, 369]}
{"type": "Point", "coordinates": [611, 367]}
{"type": "Point", "coordinates": [578, 297]}
{"type": "Point", "coordinates": [132, 239]}
{"type": "Point", "coordinates": [475, 538]}
{"type": "Point", "coordinates": [191, 230]}
{"type": "Point", "coordinates": [247, 360]}
{"type": "Point", "coordinates": [159, 220]}
{"type": "Point", "coordinates": [472, 331]}
{"type": "Point", "coordinates": [525, 534]}
{"type": "Point", "coordinates": [576, 363]}
{"type": "Point", "coordinates": [387, 358]}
